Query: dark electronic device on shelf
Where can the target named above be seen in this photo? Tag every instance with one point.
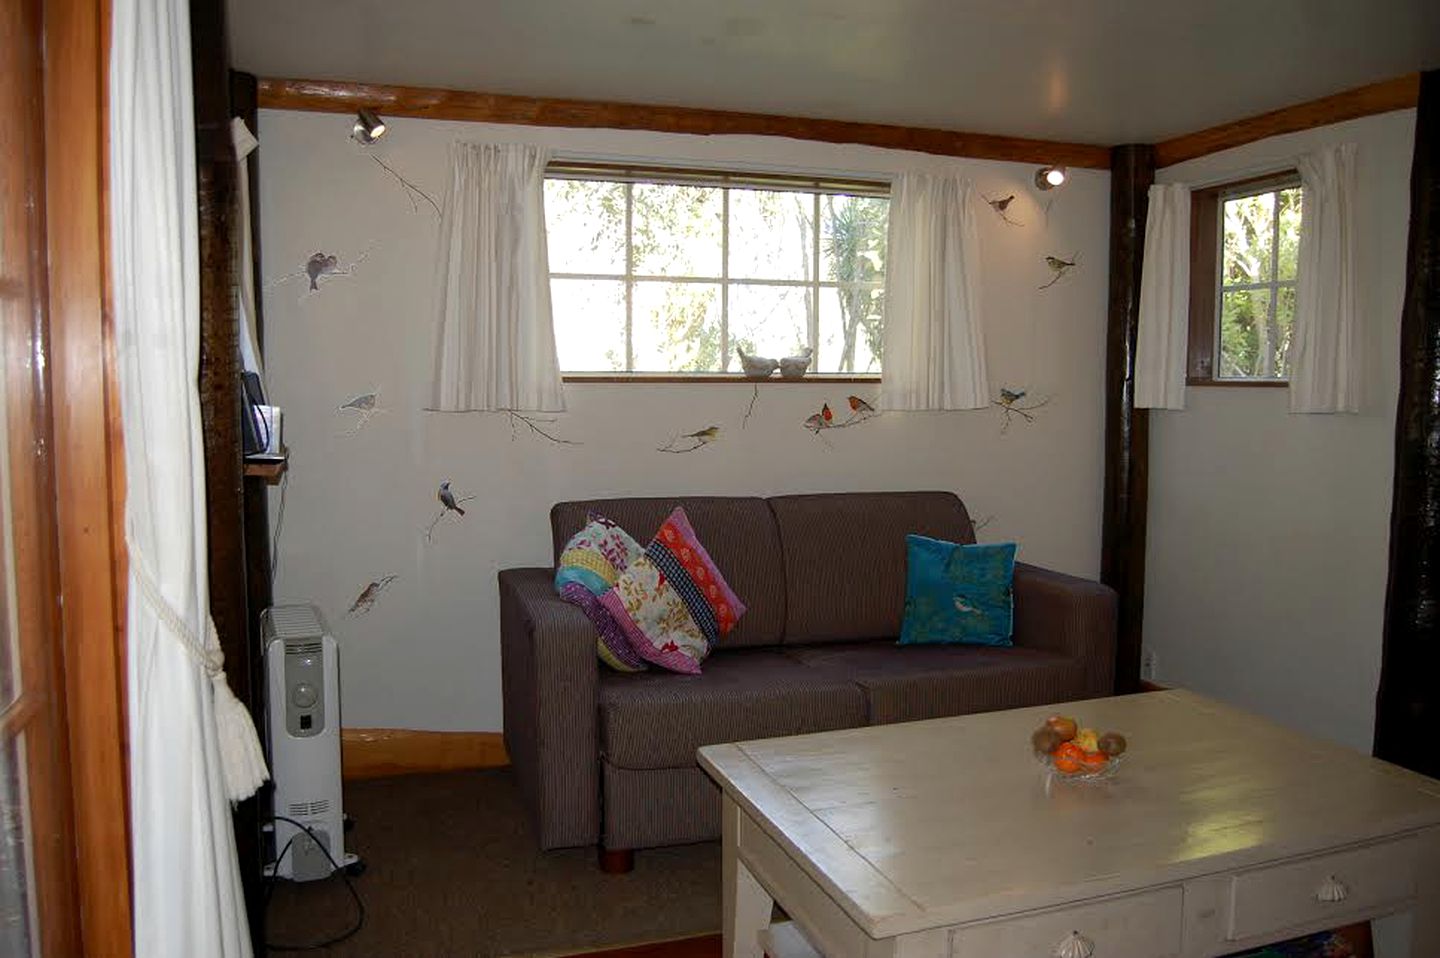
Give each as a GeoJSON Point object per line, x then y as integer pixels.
{"type": "Point", "coordinates": [259, 423]}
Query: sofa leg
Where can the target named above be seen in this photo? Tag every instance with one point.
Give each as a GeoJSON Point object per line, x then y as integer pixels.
{"type": "Point", "coordinates": [616, 861]}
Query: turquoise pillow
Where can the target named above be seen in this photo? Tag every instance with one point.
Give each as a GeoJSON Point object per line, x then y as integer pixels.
{"type": "Point", "coordinates": [958, 593]}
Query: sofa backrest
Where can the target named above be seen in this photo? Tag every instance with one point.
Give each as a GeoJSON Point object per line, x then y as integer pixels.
{"type": "Point", "coordinates": [738, 532]}
{"type": "Point", "coordinates": [845, 558]}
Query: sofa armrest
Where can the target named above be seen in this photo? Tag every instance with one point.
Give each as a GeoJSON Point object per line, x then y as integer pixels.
{"type": "Point", "coordinates": [549, 681]}
{"type": "Point", "coordinates": [1070, 616]}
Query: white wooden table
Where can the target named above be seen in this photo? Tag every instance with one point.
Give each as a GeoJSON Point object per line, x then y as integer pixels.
{"type": "Point", "coordinates": [1221, 831]}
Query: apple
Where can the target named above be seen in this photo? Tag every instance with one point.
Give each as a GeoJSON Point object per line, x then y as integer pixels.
{"type": "Point", "coordinates": [1063, 725]}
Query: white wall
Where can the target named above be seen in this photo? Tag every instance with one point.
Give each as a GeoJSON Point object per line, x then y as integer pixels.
{"type": "Point", "coordinates": [356, 506]}
{"type": "Point", "coordinates": [1268, 534]}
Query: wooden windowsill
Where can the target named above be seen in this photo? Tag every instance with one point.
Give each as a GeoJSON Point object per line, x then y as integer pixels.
{"type": "Point", "coordinates": [1262, 383]}
{"type": "Point", "coordinates": [734, 379]}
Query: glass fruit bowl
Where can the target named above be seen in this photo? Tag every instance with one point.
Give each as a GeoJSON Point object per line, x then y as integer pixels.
{"type": "Point", "coordinates": [1085, 773]}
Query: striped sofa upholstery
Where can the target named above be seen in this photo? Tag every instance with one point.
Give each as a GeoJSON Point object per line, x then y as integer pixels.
{"type": "Point", "coordinates": [608, 757]}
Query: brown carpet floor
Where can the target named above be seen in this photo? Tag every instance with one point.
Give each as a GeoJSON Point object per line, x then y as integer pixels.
{"type": "Point", "coordinates": [454, 871]}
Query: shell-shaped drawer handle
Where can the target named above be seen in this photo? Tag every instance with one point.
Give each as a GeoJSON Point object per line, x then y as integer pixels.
{"type": "Point", "coordinates": [1075, 945]}
{"type": "Point", "coordinates": [1332, 889]}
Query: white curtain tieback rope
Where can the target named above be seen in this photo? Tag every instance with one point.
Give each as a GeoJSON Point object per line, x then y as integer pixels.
{"type": "Point", "coordinates": [241, 757]}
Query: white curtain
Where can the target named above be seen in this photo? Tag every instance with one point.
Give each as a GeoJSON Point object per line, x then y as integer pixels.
{"type": "Point", "coordinates": [495, 347]}
{"type": "Point", "coordinates": [1324, 357]}
{"type": "Point", "coordinates": [191, 747]}
{"type": "Point", "coordinates": [1163, 339]}
{"type": "Point", "coordinates": [934, 348]}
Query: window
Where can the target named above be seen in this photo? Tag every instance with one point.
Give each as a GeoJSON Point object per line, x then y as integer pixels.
{"type": "Point", "coordinates": [1245, 240]}
{"type": "Point", "coordinates": [676, 272]}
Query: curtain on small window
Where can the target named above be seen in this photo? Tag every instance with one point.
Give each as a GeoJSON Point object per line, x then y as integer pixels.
{"type": "Point", "coordinates": [1324, 360]}
{"type": "Point", "coordinates": [1163, 339]}
{"type": "Point", "coordinates": [934, 349]}
{"type": "Point", "coordinates": [495, 347]}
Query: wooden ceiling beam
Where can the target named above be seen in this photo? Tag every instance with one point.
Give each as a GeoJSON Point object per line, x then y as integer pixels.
{"type": "Point", "coordinates": [333, 96]}
{"type": "Point", "coordinates": [1401, 93]}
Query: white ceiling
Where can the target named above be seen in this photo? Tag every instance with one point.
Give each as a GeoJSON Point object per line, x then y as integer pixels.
{"type": "Point", "coordinates": [1097, 71]}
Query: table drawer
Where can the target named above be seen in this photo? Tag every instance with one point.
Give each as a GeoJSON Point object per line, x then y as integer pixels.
{"type": "Point", "coordinates": [1291, 894]}
{"type": "Point", "coordinates": [1146, 925]}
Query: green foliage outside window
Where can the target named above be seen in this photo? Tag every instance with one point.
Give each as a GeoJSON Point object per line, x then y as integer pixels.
{"type": "Point", "coordinates": [657, 277]}
{"type": "Point", "coordinates": [1260, 238]}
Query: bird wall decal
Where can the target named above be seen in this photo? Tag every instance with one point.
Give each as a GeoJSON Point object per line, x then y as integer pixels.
{"type": "Point", "coordinates": [365, 601]}
{"type": "Point", "coordinates": [691, 441]}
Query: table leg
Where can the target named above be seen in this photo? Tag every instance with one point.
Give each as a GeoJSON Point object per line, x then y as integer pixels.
{"type": "Point", "coordinates": [747, 904]}
{"type": "Point", "coordinates": [1425, 930]}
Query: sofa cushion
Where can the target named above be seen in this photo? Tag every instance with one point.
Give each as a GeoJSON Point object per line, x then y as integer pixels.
{"type": "Point", "coordinates": [909, 683]}
{"type": "Point", "coordinates": [739, 533]}
{"type": "Point", "coordinates": [845, 558]}
{"type": "Point", "coordinates": [658, 720]}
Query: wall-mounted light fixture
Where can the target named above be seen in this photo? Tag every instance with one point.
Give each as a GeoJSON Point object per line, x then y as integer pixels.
{"type": "Point", "coordinates": [368, 127]}
{"type": "Point", "coordinates": [1049, 177]}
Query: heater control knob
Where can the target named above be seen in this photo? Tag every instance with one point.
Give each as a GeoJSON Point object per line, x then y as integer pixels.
{"type": "Point", "coordinates": [304, 695]}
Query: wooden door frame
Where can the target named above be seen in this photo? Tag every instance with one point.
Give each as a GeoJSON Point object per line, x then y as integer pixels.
{"type": "Point", "coordinates": [89, 464]}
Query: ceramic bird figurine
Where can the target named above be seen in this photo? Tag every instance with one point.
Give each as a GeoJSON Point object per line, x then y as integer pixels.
{"type": "Point", "coordinates": [794, 367]}
{"type": "Point", "coordinates": [447, 498]}
{"type": "Point", "coordinates": [756, 367]}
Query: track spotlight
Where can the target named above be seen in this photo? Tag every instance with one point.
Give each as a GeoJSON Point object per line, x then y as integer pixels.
{"type": "Point", "coordinates": [368, 127]}
{"type": "Point", "coordinates": [1049, 177]}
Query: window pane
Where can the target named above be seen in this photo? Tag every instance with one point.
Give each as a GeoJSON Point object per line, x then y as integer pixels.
{"type": "Point", "coordinates": [585, 226]}
{"type": "Point", "coordinates": [1289, 213]}
{"type": "Point", "coordinates": [677, 327]}
{"type": "Point", "coordinates": [1249, 340]}
{"type": "Point", "coordinates": [1249, 229]}
{"type": "Point", "coordinates": [14, 852]}
{"type": "Point", "coordinates": [852, 238]}
{"type": "Point", "coordinates": [1285, 325]}
{"type": "Point", "coordinates": [589, 324]}
{"type": "Point", "coordinates": [768, 321]}
{"type": "Point", "coordinates": [851, 323]}
{"type": "Point", "coordinates": [771, 234]}
{"type": "Point", "coordinates": [677, 230]}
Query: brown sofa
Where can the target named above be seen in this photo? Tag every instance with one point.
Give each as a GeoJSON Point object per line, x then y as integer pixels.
{"type": "Point", "coordinates": [610, 757]}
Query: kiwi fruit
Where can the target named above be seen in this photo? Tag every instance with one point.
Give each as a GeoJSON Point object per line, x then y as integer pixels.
{"type": "Point", "coordinates": [1112, 744]}
{"type": "Point", "coordinates": [1046, 740]}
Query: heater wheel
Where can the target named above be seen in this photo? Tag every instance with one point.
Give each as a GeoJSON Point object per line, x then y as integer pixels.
{"type": "Point", "coordinates": [356, 868]}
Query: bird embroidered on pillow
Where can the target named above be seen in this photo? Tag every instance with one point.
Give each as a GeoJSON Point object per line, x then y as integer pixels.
{"type": "Point", "coordinates": [958, 593]}
{"type": "Point", "coordinates": [590, 564]}
{"type": "Point", "coordinates": [672, 603]}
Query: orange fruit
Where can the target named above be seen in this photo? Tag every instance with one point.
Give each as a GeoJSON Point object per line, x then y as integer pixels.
{"type": "Point", "coordinates": [1067, 758]}
{"type": "Point", "coordinates": [1094, 761]}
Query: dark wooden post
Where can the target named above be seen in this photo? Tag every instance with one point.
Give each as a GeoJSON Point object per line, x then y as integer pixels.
{"type": "Point", "coordinates": [1408, 705]}
{"type": "Point", "coordinates": [219, 385]}
{"type": "Point", "coordinates": [1127, 432]}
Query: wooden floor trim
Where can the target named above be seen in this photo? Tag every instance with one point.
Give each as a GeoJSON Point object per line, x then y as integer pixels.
{"type": "Point", "coordinates": [1401, 93]}
{"type": "Point", "coordinates": [378, 752]}
{"type": "Point", "coordinates": [333, 96]}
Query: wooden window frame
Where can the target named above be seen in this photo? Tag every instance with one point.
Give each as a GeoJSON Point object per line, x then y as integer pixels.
{"type": "Point", "coordinates": [1205, 242]}
{"type": "Point", "coordinates": [629, 175]}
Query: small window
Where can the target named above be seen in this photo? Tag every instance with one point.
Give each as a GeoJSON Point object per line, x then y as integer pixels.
{"type": "Point", "coordinates": [1244, 245]}
{"type": "Point", "coordinates": [675, 272]}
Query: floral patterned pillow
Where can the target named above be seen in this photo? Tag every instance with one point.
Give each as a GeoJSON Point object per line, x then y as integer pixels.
{"type": "Point", "coordinates": [590, 564]}
{"type": "Point", "coordinates": [672, 603]}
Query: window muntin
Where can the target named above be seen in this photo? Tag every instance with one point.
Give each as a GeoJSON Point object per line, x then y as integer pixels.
{"type": "Point", "coordinates": [1258, 245]}
{"type": "Point", "coordinates": [654, 273]}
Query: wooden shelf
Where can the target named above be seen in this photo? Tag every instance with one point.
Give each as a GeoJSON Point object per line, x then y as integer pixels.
{"type": "Point", "coordinates": [269, 471]}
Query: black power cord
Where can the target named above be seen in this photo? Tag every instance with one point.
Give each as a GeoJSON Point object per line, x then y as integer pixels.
{"type": "Point", "coordinates": [344, 876]}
